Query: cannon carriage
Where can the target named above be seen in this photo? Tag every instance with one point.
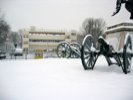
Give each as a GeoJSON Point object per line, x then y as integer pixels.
{"type": "Point", "coordinates": [123, 57]}
{"type": "Point", "coordinates": [66, 50]}
{"type": "Point", "coordinates": [89, 53]}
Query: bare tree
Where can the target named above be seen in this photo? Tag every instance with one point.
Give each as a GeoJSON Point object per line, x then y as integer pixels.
{"type": "Point", "coordinates": [4, 29]}
{"type": "Point", "coordinates": [20, 32]}
{"type": "Point", "coordinates": [15, 38]}
{"type": "Point", "coordinates": [95, 27]}
{"type": "Point", "coordinates": [80, 38]}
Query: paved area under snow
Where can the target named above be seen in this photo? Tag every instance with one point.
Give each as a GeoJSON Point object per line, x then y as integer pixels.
{"type": "Point", "coordinates": [63, 79]}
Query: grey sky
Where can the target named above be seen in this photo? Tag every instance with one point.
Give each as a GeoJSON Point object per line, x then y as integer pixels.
{"type": "Point", "coordinates": [59, 14]}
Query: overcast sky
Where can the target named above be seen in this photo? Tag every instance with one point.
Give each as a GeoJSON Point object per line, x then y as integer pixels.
{"type": "Point", "coordinates": [59, 14]}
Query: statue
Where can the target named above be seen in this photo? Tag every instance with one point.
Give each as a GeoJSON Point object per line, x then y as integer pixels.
{"type": "Point", "coordinates": [128, 6]}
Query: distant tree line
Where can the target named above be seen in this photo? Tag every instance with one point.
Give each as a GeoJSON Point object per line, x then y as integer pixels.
{"type": "Point", "coordinates": [4, 29]}
{"type": "Point", "coordinates": [6, 35]}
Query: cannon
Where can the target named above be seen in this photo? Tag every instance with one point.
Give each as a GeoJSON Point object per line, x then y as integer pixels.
{"type": "Point", "coordinates": [89, 53]}
{"type": "Point", "coordinates": [66, 50]}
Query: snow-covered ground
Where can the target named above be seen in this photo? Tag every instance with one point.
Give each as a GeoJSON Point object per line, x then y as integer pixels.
{"type": "Point", "coordinates": [63, 79]}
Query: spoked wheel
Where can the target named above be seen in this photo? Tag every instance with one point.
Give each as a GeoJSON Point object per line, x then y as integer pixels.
{"type": "Point", "coordinates": [88, 54]}
{"type": "Point", "coordinates": [63, 50]}
{"type": "Point", "coordinates": [127, 54]}
{"type": "Point", "coordinates": [75, 50]}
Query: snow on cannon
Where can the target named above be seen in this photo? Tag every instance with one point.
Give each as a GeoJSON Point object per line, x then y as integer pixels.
{"type": "Point", "coordinates": [122, 58]}
{"type": "Point", "coordinates": [65, 50]}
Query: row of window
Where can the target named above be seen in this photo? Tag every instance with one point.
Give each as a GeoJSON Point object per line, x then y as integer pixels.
{"type": "Point", "coordinates": [46, 40]}
{"type": "Point", "coordinates": [25, 42]}
{"type": "Point", "coordinates": [44, 33]}
{"type": "Point", "coordinates": [26, 36]}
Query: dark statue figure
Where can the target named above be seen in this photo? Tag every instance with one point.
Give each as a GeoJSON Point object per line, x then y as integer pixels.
{"type": "Point", "coordinates": [128, 6]}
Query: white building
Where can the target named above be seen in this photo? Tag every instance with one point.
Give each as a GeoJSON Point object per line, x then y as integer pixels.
{"type": "Point", "coordinates": [115, 34]}
{"type": "Point", "coordinates": [35, 39]}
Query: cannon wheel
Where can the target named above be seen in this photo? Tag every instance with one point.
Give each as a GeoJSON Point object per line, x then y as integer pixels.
{"type": "Point", "coordinates": [63, 50]}
{"type": "Point", "coordinates": [88, 55]}
{"type": "Point", "coordinates": [76, 47]}
{"type": "Point", "coordinates": [127, 54]}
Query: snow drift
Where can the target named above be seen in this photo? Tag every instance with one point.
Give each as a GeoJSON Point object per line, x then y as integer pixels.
{"type": "Point", "coordinates": [63, 79]}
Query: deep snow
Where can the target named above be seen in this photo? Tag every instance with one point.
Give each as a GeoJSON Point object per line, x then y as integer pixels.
{"type": "Point", "coordinates": [63, 79]}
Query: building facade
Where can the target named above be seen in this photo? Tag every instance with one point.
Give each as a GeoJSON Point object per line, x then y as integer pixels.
{"type": "Point", "coordinates": [46, 40]}
{"type": "Point", "coordinates": [115, 35]}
